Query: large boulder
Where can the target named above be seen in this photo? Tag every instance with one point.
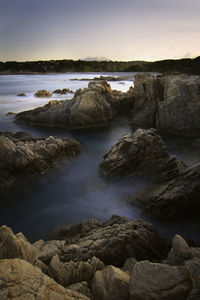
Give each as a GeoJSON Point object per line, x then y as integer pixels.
{"type": "Point", "coordinates": [95, 106]}
{"type": "Point", "coordinates": [114, 242]}
{"type": "Point", "coordinates": [142, 152]}
{"type": "Point", "coordinates": [20, 280]}
{"type": "Point", "coordinates": [23, 155]}
{"type": "Point", "coordinates": [111, 284]}
{"type": "Point", "coordinates": [43, 94]}
{"type": "Point", "coordinates": [176, 197]}
{"type": "Point", "coordinates": [168, 103]}
{"type": "Point", "coordinates": [155, 281]}
{"type": "Point", "coordinates": [15, 246]}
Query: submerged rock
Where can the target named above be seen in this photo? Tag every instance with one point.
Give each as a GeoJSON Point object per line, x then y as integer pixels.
{"type": "Point", "coordinates": [95, 106]}
{"type": "Point", "coordinates": [20, 280]}
{"type": "Point", "coordinates": [21, 94]}
{"type": "Point", "coordinates": [43, 94]}
{"type": "Point", "coordinates": [23, 155]}
{"type": "Point", "coordinates": [168, 103]}
{"type": "Point", "coordinates": [142, 152]}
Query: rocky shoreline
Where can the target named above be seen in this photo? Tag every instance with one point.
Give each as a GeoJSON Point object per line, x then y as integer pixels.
{"type": "Point", "coordinates": [118, 259]}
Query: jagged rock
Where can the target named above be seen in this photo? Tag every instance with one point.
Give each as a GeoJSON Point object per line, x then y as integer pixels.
{"type": "Point", "coordinates": [15, 246]}
{"type": "Point", "coordinates": [142, 152]}
{"type": "Point", "coordinates": [23, 155]}
{"type": "Point", "coordinates": [95, 106]}
{"type": "Point", "coordinates": [129, 265]}
{"type": "Point", "coordinates": [81, 287]}
{"type": "Point", "coordinates": [73, 272]}
{"type": "Point", "coordinates": [168, 103]}
{"type": "Point", "coordinates": [63, 91]}
{"type": "Point", "coordinates": [46, 250]}
{"type": "Point", "coordinates": [20, 280]}
{"type": "Point", "coordinates": [44, 268]}
{"type": "Point", "coordinates": [111, 284]}
{"type": "Point", "coordinates": [155, 281]}
{"type": "Point", "coordinates": [177, 197]}
{"type": "Point", "coordinates": [43, 93]}
{"type": "Point", "coordinates": [115, 241]}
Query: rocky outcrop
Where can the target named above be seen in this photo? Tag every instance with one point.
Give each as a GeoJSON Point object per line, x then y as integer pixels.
{"type": "Point", "coordinates": [141, 153]}
{"type": "Point", "coordinates": [177, 197]}
{"type": "Point", "coordinates": [15, 246]}
{"type": "Point", "coordinates": [21, 94]}
{"type": "Point", "coordinates": [168, 103]}
{"type": "Point", "coordinates": [159, 281]}
{"type": "Point", "coordinates": [111, 284]}
{"type": "Point", "coordinates": [23, 155]}
{"type": "Point", "coordinates": [43, 94]}
{"type": "Point", "coordinates": [95, 106]}
{"type": "Point", "coordinates": [20, 280]}
{"type": "Point", "coordinates": [63, 91]}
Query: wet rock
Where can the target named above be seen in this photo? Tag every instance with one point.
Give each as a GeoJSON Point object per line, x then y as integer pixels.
{"type": "Point", "coordinates": [177, 197]}
{"type": "Point", "coordinates": [15, 246]}
{"type": "Point", "coordinates": [141, 153]}
{"type": "Point", "coordinates": [111, 284]}
{"type": "Point", "coordinates": [114, 242]}
{"type": "Point", "coordinates": [43, 94]}
{"type": "Point", "coordinates": [63, 91]}
{"type": "Point", "coordinates": [23, 155]}
{"type": "Point", "coordinates": [168, 103]}
{"type": "Point", "coordinates": [159, 281]}
{"type": "Point", "coordinates": [21, 94]}
{"type": "Point", "coordinates": [73, 272]}
{"type": "Point", "coordinates": [95, 106]}
{"type": "Point", "coordinates": [21, 280]}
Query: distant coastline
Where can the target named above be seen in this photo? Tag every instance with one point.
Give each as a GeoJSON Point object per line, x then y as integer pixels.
{"type": "Point", "coordinates": [168, 66]}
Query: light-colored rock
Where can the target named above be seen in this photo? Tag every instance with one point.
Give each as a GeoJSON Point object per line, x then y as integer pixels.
{"type": "Point", "coordinates": [22, 281]}
{"type": "Point", "coordinates": [142, 152]}
{"type": "Point", "coordinates": [81, 287]}
{"type": "Point", "coordinates": [43, 94]}
{"type": "Point", "coordinates": [155, 281]}
{"type": "Point", "coordinates": [111, 284]}
{"type": "Point", "coordinates": [46, 250]}
{"type": "Point", "coordinates": [15, 246]}
{"type": "Point", "coordinates": [129, 265]}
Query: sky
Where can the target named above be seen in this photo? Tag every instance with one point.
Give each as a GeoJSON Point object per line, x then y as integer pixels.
{"type": "Point", "coordinates": [116, 29]}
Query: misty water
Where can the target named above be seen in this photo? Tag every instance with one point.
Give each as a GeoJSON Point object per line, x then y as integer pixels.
{"type": "Point", "coordinates": [75, 192]}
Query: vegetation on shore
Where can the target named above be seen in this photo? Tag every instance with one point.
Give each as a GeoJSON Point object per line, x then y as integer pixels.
{"type": "Point", "coordinates": [169, 66]}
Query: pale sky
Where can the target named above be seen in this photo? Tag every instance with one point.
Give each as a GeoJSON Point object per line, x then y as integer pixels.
{"type": "Point", "coordinates": [116, 29]}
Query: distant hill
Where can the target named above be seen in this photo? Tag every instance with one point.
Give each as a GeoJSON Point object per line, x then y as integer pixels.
{"type": "Point", "coordinates": [97, 58]}
{"type": "Point", "coordinates": [168, 66]}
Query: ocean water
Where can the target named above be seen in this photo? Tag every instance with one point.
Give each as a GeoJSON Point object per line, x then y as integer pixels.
{"type": "Point", "coordinates": [75, 192]}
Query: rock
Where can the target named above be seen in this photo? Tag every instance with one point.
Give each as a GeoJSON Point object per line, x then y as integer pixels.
{"type": "Point", "coordinates": [159, 281]}
{"type": "Point", "coordinates": [23, 155]}
{"type": "Point", "coordinates": [15, 246]}
{"type": "Point", "coordinates": [80, 287]}
{"type": "Point", "coordinates": [73, 272]}
{"type": "Point", "coordinates": [141, 153]}
{"type": "Point", "coordinates": [111, 284]}
{"type": "Point", "coordinates": [63, 91]}
{"type": "Point", "coordinates": [177, 197]}
{"type": "Point", "coordinates": [43, 94]}
{"type": "Point", "coordinates": [46, 250]}
{"type": "Point", "coordinates": [168, 103]}
{"type": "Point", "coordinates": [129, 265]}
{"type": "Point", "coordinates": [10, 113]}
{"type": "Point", "coordinates": [95, 106]}
{"type": "Point", "coordinates": [20, 280]}
{"type": "Point", "coordinates": [21, 94]}
{"type": "Point", "coordinates": [114, 242]}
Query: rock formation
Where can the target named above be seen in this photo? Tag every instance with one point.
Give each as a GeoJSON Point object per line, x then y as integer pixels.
{"type": "Point", "coordinates": [43, 94]}
{"type": "Point", "coordinates": [63, 91]}
{"type": "Point", "coordinates": [23, 155]}
{"type": "Point", "coordinates": [95, 106]}
{"type": "Point", "coordinates": [142, 152]}
{"type": "Point", "coordinates": [168, 103]}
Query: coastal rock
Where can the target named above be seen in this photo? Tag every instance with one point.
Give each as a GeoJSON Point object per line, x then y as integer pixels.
{"type": "Point", "coordinates": [46, 250]}
{"type": "Point", "coordinates": [21, 94]}
{"type": "Point", "coordinates": [129, 265]}
{"type": "Point", "coordinates": [111, 284]}
{"type": "Point", "coordinates": [176, 197]}
{"type": "Point", "coordinates": [73, 272]}
{"type": "Point", "coordinates": [114, 242]}
{"type": "Point", "coordinates": [141, 153]}
{"type": "Point", "coordinates": [95, 106]}
{"type": "Point", "coordinates": [168, 103]}
{"type": "Point", "coordinates": [15, 246]}
{"type": "Point", "coordinates": [43, 94]}
{"type": "Point", "coordinates": [159, 281]}
{"type": "Point", "coordinates": [20, 280]}
{"type": "Point", "coordinates": [23, 155]}
{"type": "Point", "coordinates": [63, 91]}
{"type": "Point", "coordinates": [81, 287]}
